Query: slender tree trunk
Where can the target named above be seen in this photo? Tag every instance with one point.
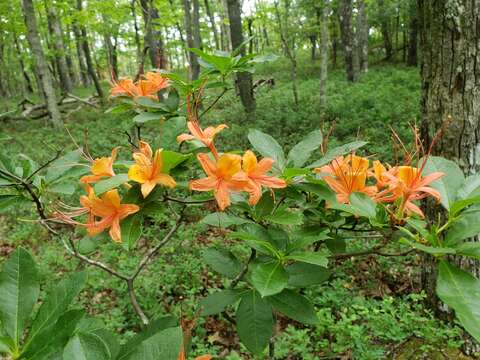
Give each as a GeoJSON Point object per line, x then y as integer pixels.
{"type": "Point", "coordinates": [138, 43]}
{"type": "Point", "coordinates": [40, 63]}
{"type": "Point", "coordinates": [197, 39]}
{"type": "Point", "coordinates": [450, 50]}
{"type": "Point", "coordinates": [385, 30]}
{"type": "Point", "coordinates": [211, 17]}
{"type": "Point", "coordinates": [362, 32]}
{"type": "Point", "coordinates": [3, 84]}
{"type": "Point", "coordinates": [226, 36]}
{"type": "Point", "coordinates": [88, 56]}
{"type": "Point", "coordinates": [153, 38]}
{"type": "Point", "coordinates": [412, 34]}
{"type": "Point", "coordinates": [244, 79]}
{"type": "Point", "coordinates": [324, 54]}
{"type": "Point", "coordinates": [68, 57]}
{"type": "Point", "coordinates": [313, 47]}
{"type": "Point", "coordinates": [334, 45]}
{"type": "Point", "coordinates": [346, 30]}
{"type": "Point", "coordinates": [80, 55]}
{"type": "Point", "coordinates": [58, 47]}
{"type": "Point", "coordinates": [28, 82]}
{"type": "Point", "coordinates": [194, 68]}
{"type": "Point", "coordinates": [250, 34]}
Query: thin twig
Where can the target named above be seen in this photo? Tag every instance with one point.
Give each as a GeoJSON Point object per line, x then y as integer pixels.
{"type": "Point", "coordinates": [187, 201]}
{"type": "Point", "coordinates": [214, 102]}
{"type": "Point", "coordinates": [41, 167]}
{"type": "Point", "coordinates": [135, 304]}
{"type": "Point", "coordinates": [373, 251]}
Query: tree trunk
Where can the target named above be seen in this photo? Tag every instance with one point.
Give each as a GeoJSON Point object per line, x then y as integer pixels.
{"type": "Point", "coordinates": [58, 47]}
{"type": "Point", "coordinates": [362, 32]}
{"type": "Point", "coordinates": [3, 84]}
{"type": "Point", "coordinates": [346, 30]}
{"type": "Point", "coordinates": [334, 45]}
{"type": "Point", "coordinates": [226, 36]}
{"type": "Point", "coordinates": [68, 57]}
{"type": "Point", "coordinates": [138, 43]}
{"type": "Point", "coordinates": [80, 55]}
{"type": "Point", "coordinates": [40, 63]}
{"type": "Point", "coordinates": [153, 38]}
{"type": "Point", "coordinates": [313, 47]}
{"type": "Point", "coordinates": [28, 82]}
{"type": "Point", "coordinates": [212, 24]}
{"type": "Point", "coordinates": [197, 39]}
{"type": "Point", "coordinates": [244, 79]}
{"type": "Point", "coordinates": [250, 34]}
{"type": "Point", "coordinates": [385, 30]}
{"type": "Point", "coordinates": [88, 56]}
{"type": "Point", "coordinates": [324, 54]}
{"type": "Point", "coordinates": [412, 34]}
{"type": "Point", "coordinates": [194, 69]}
{"type": "Point", "coordinates": [450, 52]}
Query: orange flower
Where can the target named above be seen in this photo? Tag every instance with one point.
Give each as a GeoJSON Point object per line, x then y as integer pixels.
{"type": "Point", "coordinates": [124, 87]}
{"type": "Point", "coordinates": [181, 356]}
{"type": "Point", "coordinates": [409, 185]}
{"type": "Point", "coordinates": [110, 210]}
{"type": "Point", "coordinates": [101, 168]}
{"type": "Point", "coordinates": [149, 86]}
{"type": "Point", "coordinates": [223, 177]}
{"type": "Point", "coordinates": [256, 173]}
{"type": "Point", "coordinates": [346, 176]}
{"type": "Point", "coordinates": [147, 170]}
{"type": "Point", "coordinates": [205, 136]}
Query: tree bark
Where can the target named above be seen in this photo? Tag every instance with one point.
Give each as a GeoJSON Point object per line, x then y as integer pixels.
{"type": "Point", "coordinates": [80, 55]}
{"type": "Point", "coordinates": [225, 28]}
{"type": "Point", "coordinates": [58, 47]}
{"type": "Point", "coordinates": [153, 37]}
{"type": "Point", "coordinates": [324, 54]}
{"type": "Point", "coordinates": [450, 49]}
{"type": "Point", "coordinates": [412, 34]}
{"type": "Point", "coordinates": [362, 32]}
{"type": "Point", "coordinates": [138, 43]}
{"type": "Point", "coordinates": [211, 17]}
{"type": "Point", "coordinates": [346, 30]}
{"type": "Point", "coordinates": [40, 62]}
{"type": "Point", "coordinates": [88, 56]}
{"type": "Point", "coordinates": [194, 68]}
{"type": "Point", "coordinates": [385, 30]}
{"type": "Point", "coordinates": [26, 77]}
{"type": "Point", "coordinates": [244, 79]}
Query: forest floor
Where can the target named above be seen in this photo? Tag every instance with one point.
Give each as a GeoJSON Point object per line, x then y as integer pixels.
{"type": "Point", "coordinates": [372, 308]}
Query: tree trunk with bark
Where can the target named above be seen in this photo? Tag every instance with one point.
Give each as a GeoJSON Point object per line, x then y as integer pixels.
{"type": "Point", "coordinates": [194, 69]}
{"type": "Point", "coordinates": [40, 62]}
{"type": "Point", "coordinates": [58, 47]}
{"type": "Point", "coordinates": [385, 30]}
{"type": "Point", "coordinates": [450, 48]}
{"type": "Point", "coordinates": [362, 33]}
{"type": "Point", "coordinates": [324, 54]}
{"type": "Point", "coordinates": [211, 17]}
{"type": "Point", "coordinates": [412, 34]}
{"type": "Point", "coordinates": [26, 77]}
{"type": "Point", "coordinates": [244, 79]}
{"type": "Point", "coordinates": [346, 30]}
{"type": "Point", "coordinates": [136, 28]}
{"type": "Point", "coordinates": [153, 37]}
{"type": "Point", "coordinates": [225, 28]}
{"type": "Point", "coordinates": [88, 56]}
{"type": "Point", "coordinates": [82, 64]}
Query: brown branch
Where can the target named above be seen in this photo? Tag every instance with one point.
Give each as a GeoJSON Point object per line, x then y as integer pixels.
{"type": "Point", "coordinates": [135, 304]}
{"type": "Point", "coordinates": [214, 102]}
{"type": "Point", "coordinates": [41, 167]}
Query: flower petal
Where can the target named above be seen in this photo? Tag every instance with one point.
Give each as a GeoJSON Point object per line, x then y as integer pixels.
{"type": "Point", "coordinates": [205, 184]}
{"type": "Point", "coordinates": [222, 195]}
{"type": "Point", "coordinates": [136, 173]}
{"type": "Point", "coordinates": [165, 180]}
{"type": "Point", "coordinates": [147, 187]}
{"type": "Point", "coordinates": [207, 164]}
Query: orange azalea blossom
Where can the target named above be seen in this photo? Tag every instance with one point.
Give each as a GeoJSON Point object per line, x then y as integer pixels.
{"type": "Point", "coordinates": [409, 185]}
{"type": "Point", "coordinates": [149, 86]}
{"type": "Point", "coordinates": [223, 177]}
{"type": "Point", "coordinates": [147, 169]}
{"type": "Point", "coordinates": [256, 172]}
{"type": "Point", "coordinates": [181, 356]}
{"type": "Point", "coordinates": [346, 176]}
{"type": "Point", "coordinates": [101, 168]}
{"type": "Point", "coordinates": [110, 210]}
{"type": "Point", "coordinates": [205, 136]}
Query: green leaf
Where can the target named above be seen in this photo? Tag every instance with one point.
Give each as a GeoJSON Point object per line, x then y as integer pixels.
{"type": "Point", "coordinates": [145, 117]}
{"type": "Point", "coordinates": [7, 201]}
{"type": "Point", "coordinates": [314, 258]}
{"type": "Point", "coordinates": [470, 187]}
{"type": "Point", "coordinates": [304, 237]}
{"type": "Point", "coordinates": [460, 205]}
{"type": "Point", "coordinates": [295, 306]}
{"type": "Point", "coordinates": [217, 302]}
{"type": "Point", "coordinates": [284, 216]}
{"type": "Point", "coordinates": [448, 184]}
{"type": "Point", "coordinates": [166, 344]}
{"type": "Point", "coordinates": [253, 240]}
{"type": "Point", "coordinates": [432, 250]}
{"type": "Point", "coordinates": [267, 146]}
{"type": "Point", "coordinates": [63, 164]}
{"type": "Point", "coordinates": [155, 326]}
{"type": "Point", "coordinates": [6, 345]}
{"type": "Point", "coordinates": [461, 291]}
{"type": "Point", "coordinates": [19, 289]}
{"type": "Point", "coordinates": [88, 346]}
{"type": "Point", "coordinates": [110, 183]}
{"type": "Point", "coordinates": [331, 154]}
{"type": "Point", "coordinates": [254, 322]}
{"type": "Point", "coordinates": [463, 227]}
{"type": "Point", "coordinates": [363, 205]}
{"type": "Point", "coordinates": [150, 103]}
{"type": "Point", "coordinates": [301, 152]}
{"type": "Point", "coordinates": [58, 299]}
{"type": "Point", "coordinates": [302, 274]}
{"type": "Point", "coordinates": [470, 249]}
{"type": "Point", "coordinates": [269, 278]}
{"type": "Point", "coordinates": [223, 220]}
{"type": "Point", "coordinates": [223, 262]}
{"type": "Point", "coordinates": [169, 131]}
{"type": "Point", "coordinates": [132, 228]}
{"type": "Point", "coordinates": [265, 205]}
{"type": "Point", "coordinates": [172, 159]}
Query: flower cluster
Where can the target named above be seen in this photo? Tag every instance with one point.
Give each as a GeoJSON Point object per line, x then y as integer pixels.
{"type": "Point", "coordinates": [403, 184]}
{"type": "Point", "coordinates": [229, 173]}
{"type": "Point", "coordinates": [149, 85]}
